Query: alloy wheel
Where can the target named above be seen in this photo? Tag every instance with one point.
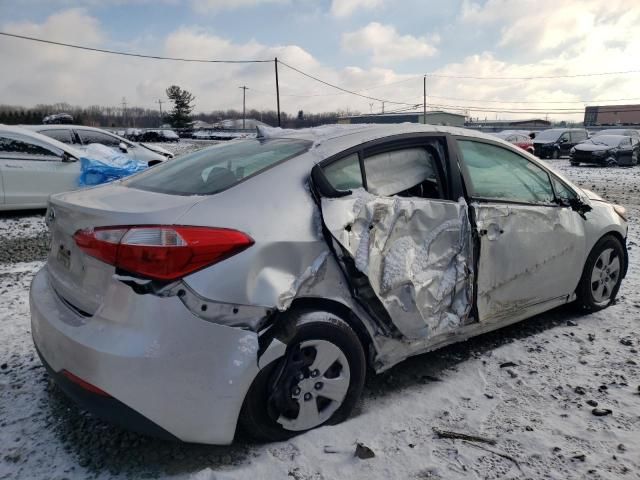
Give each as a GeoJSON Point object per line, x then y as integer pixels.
{"type": "Point", "coordinates": [605, 275]}
{"type": "Point", "coordinates": [318, 390]}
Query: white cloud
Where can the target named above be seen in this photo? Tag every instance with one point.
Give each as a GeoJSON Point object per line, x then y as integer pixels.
{"type": "Point", "coordinates": [208, 6]}
{"type": "Point", "coordinates": [345, 8]}
{"type": "Point", "coordinates": [386, 45]}
{"type": "Point", "coordinates": [543, 25]}
{"type": "Point", "coordinates": [34, 73]}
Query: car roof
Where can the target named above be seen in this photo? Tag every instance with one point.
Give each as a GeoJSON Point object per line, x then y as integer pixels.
{"type": "Point", "coordinates": [614, 137]}
{"type": "Point", "coordinates": [331, 139]}
{"type": "Point", "coordinates": [27, 132]}
{"type": "Point", "coordinates": [58, 126]}
{"type": "Point", "coordinates": [607, 132]}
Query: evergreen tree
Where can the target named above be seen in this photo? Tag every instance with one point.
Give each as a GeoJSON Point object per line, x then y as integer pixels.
{"type": "Point", "coordinates": [182, 106]}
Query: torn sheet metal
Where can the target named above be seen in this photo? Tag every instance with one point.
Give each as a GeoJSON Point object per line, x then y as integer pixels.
{"type": "Point", "coordinates": [528, 255]}
{"type": "Point", "coordinates": [416, 253]}
{"type": "Point", "coordinates": [308, 276]}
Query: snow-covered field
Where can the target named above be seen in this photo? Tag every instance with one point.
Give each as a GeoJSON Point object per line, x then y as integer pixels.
{"type": "Point", "coordinates": [530, 387]}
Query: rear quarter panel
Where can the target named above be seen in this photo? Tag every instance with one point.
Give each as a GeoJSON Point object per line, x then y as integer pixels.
{"type": "Point", "coordinates": [277, 210]}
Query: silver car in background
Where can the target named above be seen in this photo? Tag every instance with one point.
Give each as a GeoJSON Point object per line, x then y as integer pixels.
{"type": "Point", "coordinates": [254, 282]}
{"type": "Point", "coordinates": [32, 167]}
{"type": "Point", "coordinates": [80, 136]}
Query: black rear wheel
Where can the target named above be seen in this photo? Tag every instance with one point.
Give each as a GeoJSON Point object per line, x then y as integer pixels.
{"type": "Point", "coordinates": [318, 381]}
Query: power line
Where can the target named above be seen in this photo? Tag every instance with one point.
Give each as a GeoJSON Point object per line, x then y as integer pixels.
{"type": "Point", "coordinates": [533, 101]}
{"type": "Point", "coordinates": [340, 88]}
{"type": "Point", "coordinates": [200, 60]}
{"type": "Point", "coordinates": [128, 54]}
{"type": "Point", "coordinates": [532, 77]}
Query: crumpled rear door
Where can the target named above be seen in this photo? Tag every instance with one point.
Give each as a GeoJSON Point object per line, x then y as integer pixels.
{"type": "Point", "coordinates": [417, 254]}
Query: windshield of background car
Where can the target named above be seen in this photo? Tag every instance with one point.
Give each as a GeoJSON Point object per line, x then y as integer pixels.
{"type": "Point", "coordinates": [548, 135]}
{"type": "Point", "coordinates": [609, 140]}
{"type": "Point", "coordinates": [217, 168]}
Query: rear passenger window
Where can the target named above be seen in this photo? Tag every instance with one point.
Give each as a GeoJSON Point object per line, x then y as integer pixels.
{"type": "Point", "coordinates": [89, 136]}
{"type": "Point", "coordinates": [62, 135]}
{"type": "Point", "coordinates": [409, 172]}
{"type": "Point", "coordinates": [344, 174]}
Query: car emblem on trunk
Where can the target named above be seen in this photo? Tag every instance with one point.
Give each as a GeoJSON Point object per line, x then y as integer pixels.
{"type": "Point", "coordinates": [50, 217]}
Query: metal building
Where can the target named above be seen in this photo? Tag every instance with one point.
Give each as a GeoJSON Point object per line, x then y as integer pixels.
{"type": "Point", "coordinates": [599, 115]}
{"type": "Point", "coordinates": [433, 118]}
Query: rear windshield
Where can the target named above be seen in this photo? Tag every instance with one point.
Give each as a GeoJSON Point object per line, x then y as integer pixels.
{"type": "Point", "coordinates": [217, 168]}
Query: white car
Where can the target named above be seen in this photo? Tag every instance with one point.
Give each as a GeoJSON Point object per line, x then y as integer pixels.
{"type": "Point", "coordinates": [255, 281]}
{"type": "Point", "coordinates": [80, 136]}
{"type": "Point", "coordinates": [32, 167]}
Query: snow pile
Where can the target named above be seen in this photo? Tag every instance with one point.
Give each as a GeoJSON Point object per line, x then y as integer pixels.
{"type": "Point", "coordinates": [530, 389]}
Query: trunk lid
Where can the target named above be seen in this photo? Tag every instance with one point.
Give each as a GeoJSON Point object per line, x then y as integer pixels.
{"type": "Point", "coordinates": [79, 279]}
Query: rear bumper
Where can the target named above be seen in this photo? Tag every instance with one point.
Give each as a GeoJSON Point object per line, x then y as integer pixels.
{"type": "Point", "coordinates": [175, 375]}
{"type": "Point", "coordinates": [107, 408]}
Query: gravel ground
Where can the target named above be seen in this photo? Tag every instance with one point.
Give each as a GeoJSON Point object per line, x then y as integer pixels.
{"type": "Point", "coordinates": [531, 387]}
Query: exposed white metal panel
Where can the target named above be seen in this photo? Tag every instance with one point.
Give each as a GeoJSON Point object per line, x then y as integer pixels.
{"type": "Point", "coordinates": [416, 253]}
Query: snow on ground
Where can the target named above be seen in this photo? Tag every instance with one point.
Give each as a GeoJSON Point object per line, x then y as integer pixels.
{"type": "Point", "coordinates": [530, 387]}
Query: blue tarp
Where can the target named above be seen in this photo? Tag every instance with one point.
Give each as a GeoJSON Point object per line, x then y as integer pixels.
{"type": "Point", "coordinates": [103, 164]}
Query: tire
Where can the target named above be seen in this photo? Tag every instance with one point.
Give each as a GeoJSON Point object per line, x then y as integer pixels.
{"type": "Point", "coordinates": [555, 155]}
{"type": "Point", "coordinates": [611, 162]}
{"type": "Point", "coordinates": [574, 164]}
{"type": "Point", "coordinates": [590, 296]}
{"type": "Point", "coordinates": [271, 410]}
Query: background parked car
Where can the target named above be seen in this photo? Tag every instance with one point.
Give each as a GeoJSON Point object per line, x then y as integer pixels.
{"type": "Point", "coordinates": [555, 142]}
{"type": "Point", "coordinates": [58, 118]}
{"type": "Point", "coordinates": [520, 139]}
{"type": "Point", "coordinates": [609, 150]}
{"type": "Point", "coordinates": [32, 167]}
{"type": "Point", "coordinates": [80, 136]}
{"type": "Point", "coordinates": [618, 131]}
{"type": "Point", "coordinates": [160, 135]}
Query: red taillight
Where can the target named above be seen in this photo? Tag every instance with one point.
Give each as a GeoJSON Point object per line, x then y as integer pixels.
{"type": "Point", "coordinates": [161, 252]}
{"type": "Point", "coordinates": [84, 384]}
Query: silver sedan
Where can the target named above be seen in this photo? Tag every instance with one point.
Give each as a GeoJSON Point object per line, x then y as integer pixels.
{"type": "Point", "coordinates": [254, 282]}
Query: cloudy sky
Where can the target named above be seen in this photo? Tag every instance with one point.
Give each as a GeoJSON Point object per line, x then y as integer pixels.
{"type": "Point", "coordinates": [380, 48]}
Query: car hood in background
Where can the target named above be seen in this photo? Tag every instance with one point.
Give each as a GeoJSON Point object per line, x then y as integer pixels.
{"type": "Point", "coordinates": [157, 149]}
{"type": "Point", "coordinates": [591, 147]}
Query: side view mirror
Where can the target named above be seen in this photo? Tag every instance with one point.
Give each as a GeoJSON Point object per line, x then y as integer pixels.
{"type": "Point", "coordinates": [564, 140]}
{"type": "Point", "coordinates": [68, 158]}
{"type": "Point", "coordinates": [123, 147]}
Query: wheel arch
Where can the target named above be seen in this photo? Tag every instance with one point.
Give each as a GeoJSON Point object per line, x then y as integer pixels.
{"type": "Point", "coordinates": [623, 241]}
{"type": "Point", "coordinates": [343, 312]}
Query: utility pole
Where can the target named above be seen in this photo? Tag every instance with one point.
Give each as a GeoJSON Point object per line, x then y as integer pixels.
{"type": "Point", "coordinates": [383, 107]}
{"type": "Point", "coordinates": [277, 89]}
{"type": "Point", "coordinates": [424, 102]}
{"type": "Point", "coordinates": [160, 102]}
{"type": "Point", "coordinates": [371, 108]}
{"type": "Point", "coordinates": [124, 112]}
{"type": "Point", "coordinates": [244, 93]}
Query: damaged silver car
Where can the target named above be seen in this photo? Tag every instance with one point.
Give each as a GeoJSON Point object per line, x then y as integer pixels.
{"type": "Point", "coordinates": [254, 282]}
